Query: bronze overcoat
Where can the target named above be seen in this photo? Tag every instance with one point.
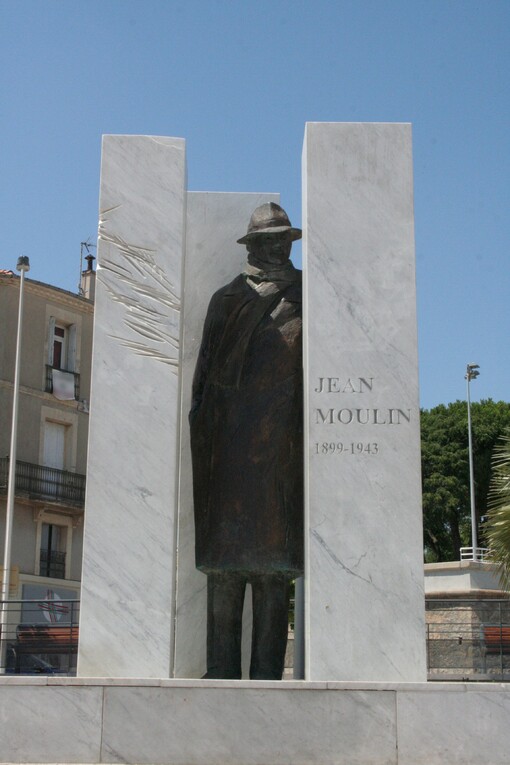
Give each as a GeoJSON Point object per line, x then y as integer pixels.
{"type": "Point", "coordinates": [247, 431]}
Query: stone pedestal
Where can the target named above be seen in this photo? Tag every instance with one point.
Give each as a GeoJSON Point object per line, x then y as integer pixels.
{"type": "Point", "coordinates": [127, 600]}
{"type": "Point", "coordinates": [219, 722]}
{"type": "Point", "coordinates": [364, 577]}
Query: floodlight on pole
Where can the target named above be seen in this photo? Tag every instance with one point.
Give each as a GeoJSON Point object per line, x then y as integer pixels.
{"type": "Point", "coordinates": [23, 265]}
{"type": "Point", "coordinates": [471, 374]}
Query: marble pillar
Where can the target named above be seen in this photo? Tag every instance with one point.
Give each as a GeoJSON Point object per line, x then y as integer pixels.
{"type": "Point", "coordinates": [364, 575]}
{"type": "Point", "coordinates": [127, 601]}
{"type": "Point", "coordinates": [215, 221]}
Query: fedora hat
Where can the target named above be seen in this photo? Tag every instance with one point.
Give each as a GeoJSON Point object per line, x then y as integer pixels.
{"type": "Point", "coordinates": [269, 218]}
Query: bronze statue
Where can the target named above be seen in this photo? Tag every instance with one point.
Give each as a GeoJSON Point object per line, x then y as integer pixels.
{"type": "Point", "coordinates": [247, 449]}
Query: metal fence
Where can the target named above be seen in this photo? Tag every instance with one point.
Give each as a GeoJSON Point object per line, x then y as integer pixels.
{"type": "Point", "coordinates": [40, 637]}
{"type": "Point", "coordinates": [468, 639]}
{"type": "Point", "coordinates": [41, 482]}
{"type": "Point", "coordinates": [49, 380]}
{"type": "Point", "coordinates": [475, 553]}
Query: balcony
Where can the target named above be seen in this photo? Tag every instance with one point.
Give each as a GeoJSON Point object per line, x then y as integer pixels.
{"type": "Point", "coordinates": [49, 380]}
{"type": "Point", "coordinates": [45, 483]}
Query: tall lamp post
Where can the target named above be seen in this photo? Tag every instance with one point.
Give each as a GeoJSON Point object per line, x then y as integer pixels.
{"type": "Point", "coordinates": [471, 374]}
{"type": "Point", "coordinates": [23, 266]}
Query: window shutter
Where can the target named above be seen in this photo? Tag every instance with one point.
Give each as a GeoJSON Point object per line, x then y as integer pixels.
{"type": "Point", "coordinates": [71, 349]}
{"type": "Point", "coordinates": [51, 336]}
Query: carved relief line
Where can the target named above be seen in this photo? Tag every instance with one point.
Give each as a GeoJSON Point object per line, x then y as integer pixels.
{"type": "Point", "coordinates": [145, 350]}
{"type": "Point", "coordinates": [146, 329]}
{"type": "Point", "coordinates": [140, 258]}
{"type": "Point", "coordinates": [165, 294]}
{"type": "Point", "coordinates": [145, 323]}
{"type": "Point", "coordinates": [141, 318]}
{"type": "Point", "coordinates": [167, 298]}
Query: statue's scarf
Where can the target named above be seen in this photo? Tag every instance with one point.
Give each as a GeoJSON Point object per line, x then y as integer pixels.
{"type": "Point", "coordinates": [266, 289]}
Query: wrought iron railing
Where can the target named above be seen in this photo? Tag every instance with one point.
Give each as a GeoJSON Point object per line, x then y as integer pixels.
{"type": "Point", "coordinates": [52, 563]}
{"type": "Point", "coordinates": [40, 637]}
{"type": "Point", "coordinates": [41, 482]}
{"type": "Point", "coordinates": [49, 380]}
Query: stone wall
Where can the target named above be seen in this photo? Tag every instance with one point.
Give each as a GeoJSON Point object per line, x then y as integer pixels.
{"type": "Point", "coordinates": [454, 637]}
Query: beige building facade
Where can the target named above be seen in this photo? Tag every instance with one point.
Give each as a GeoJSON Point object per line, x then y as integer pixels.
{"type": "Point", "coordinates": [51, 455]}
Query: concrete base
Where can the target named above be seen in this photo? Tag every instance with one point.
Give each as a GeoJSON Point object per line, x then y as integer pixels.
{"type": "Point", "coordinates": [463, 579]}
{"type": "Point", "coordinates": [220, 722]}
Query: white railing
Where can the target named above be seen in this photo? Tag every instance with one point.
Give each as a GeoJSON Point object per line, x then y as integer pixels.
{"type": "Point", "coordinates": [478, 553]}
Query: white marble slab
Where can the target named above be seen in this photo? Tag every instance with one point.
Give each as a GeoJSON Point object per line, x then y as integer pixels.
{"type": "Point", "coordinates": [248, 726]}
{"type": "Point", "coordinates": [203, 722]}
{"type": "Point", "coordinates": [43, 724]}
{"type": "Point", "coordinates": [456, 728]}
{"type": "Point", "coordinates": [364, 590]}
{"type": "Point", "coordinates": [215, 221]}
{"type": "Point", "coordinates": [127, 596]}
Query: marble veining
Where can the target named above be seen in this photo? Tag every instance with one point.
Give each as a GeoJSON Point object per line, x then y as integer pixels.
{"type": "Point", "coordinates": [454, 727]}
{"type": "Point", "coordinates": [55, 724]}
{"type": "Point", "coordinates": [205, 722]}
{"type": "Point", "coordinates": [337, 561]}
{"type": "Point", "coordinates": [127, 603]}
{"type": "Point", "coordinates": [362, 473]}
{"type": "Point", "coordinates": [253, 728]}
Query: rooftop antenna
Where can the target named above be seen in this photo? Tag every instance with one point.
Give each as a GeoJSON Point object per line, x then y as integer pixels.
{"type": "Point", "coordinates": [84, 247]}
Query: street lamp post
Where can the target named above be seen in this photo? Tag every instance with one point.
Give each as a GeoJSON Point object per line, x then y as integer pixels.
{"type": "Point", "coordinates": [471, 374]}
{"type": "Point", "coordinates": [23, 266]}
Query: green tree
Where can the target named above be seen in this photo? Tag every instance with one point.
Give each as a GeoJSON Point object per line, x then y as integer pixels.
{"type": "Point", "coordinates": [498, 520]}
{"type": "Point", "coordinates": [445, 472]}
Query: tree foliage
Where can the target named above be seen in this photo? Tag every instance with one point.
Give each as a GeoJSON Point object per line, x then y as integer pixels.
{"type": "Point", "coordinates": [445, 472]}
{"type": "Point", "coordinates": [498, 520]}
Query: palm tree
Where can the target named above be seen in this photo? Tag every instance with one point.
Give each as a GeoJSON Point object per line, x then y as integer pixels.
{"type": "Point", "coordinates": [498, 519]}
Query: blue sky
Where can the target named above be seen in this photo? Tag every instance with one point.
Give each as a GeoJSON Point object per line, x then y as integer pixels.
{"type": "Point", "coordinates": [239, 80]}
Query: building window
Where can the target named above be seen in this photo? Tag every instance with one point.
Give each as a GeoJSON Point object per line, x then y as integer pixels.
{"type": "Point", "coordinates": [59, 347]}
{"type": "Point", "coordinates": [54, 454]}
{"type": "Point", "coordinates": [62, 343]}
{"type": "Point", "coordinates": [62, 378]}
{"type": "Point", "coordinates": [52, 562]}
{"type": "Point", "coordinates": [54, 539]}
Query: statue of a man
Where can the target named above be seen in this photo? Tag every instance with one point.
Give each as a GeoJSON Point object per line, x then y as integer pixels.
{"type": "Point", "coordinates": [247, 450]}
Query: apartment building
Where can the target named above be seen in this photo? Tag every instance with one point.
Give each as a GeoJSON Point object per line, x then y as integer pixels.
{"type": "Point", "coordinates": [54, 392]}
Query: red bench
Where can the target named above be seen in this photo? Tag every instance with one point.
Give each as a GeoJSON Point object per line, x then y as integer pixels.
{"type": "Point", "coordinates": [42, 638]}
{"type": "Point", "coordinates": [494, 639]}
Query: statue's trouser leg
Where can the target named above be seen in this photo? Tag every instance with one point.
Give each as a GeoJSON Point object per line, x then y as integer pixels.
{"type": "Point", "coordinates": [225, 599]}
{"type": "Point", "coordinates": [271, 595]}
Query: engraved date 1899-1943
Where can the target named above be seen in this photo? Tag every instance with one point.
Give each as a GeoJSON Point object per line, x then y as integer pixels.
{"type": "Point", "coordinates": [337, 447]}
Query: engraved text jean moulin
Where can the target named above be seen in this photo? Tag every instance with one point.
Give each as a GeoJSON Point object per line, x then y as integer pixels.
{"type": "Point", "coordinates": [352, 415]}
